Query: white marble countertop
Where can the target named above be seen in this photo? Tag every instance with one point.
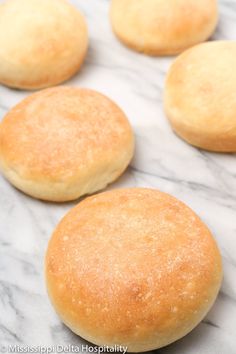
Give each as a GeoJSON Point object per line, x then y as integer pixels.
{"type": "Point", "coordinates": [205, 181]}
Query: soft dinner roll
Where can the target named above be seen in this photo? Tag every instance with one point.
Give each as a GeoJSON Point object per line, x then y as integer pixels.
{"type": "Point", "coordinates": [163, 27]}
{"type": "Point", "coordinates": [42, 42]}
{"type": "Point", "coordinates": [64, 142]}
{"type": "Point", "coordinates": [132, 267]}
{"type": "Point", "coordinates": [200, 99]}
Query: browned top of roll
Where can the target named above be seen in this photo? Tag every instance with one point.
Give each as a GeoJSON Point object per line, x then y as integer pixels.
{"type": "Point", "coordinates": [135, 267]}
{"type": "Point", "coordinates": [64, 140]}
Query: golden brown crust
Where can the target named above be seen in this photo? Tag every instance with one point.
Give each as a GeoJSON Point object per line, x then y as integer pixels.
{"type": "Point", "coordinates": [42, 42]}
{"type": "Point", "coordinates": [200, 96]}
{"type": "Point", "coordinates": [64, 142]}
{"type": "Point", "coordinates": [133, 267]}
{"type": "Point", "coordinates": [163, 27]}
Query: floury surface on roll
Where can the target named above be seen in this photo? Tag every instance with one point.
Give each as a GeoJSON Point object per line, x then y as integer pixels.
{"type": "Point", "coordinates": [61, 143]}
{"type": "Point", "coordinates": [200, 99]}
{"type": "Point", "coordinates": [132, 267]}
{"type": "Point", "coordinates": [42, 42]}
{"type": "Point", "coordinates": [163, 27]}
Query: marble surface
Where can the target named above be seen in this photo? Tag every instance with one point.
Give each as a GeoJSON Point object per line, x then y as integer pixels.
{"type": "Point", "coordinates": [205, 181]}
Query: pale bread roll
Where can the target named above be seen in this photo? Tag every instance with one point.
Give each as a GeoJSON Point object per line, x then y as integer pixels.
{"type": "Point", "coordinates": [200, 99]}
{"type": "Point", "coordinates": [61, 143]}
{"type": "Point", "coordinates": [42, 42]}
{"type": "Point", "coordinates": [132, 267]}
{"type": "Point", "coordinates": [163, 27]}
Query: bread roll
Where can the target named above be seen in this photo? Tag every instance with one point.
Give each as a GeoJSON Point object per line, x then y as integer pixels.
{"type": "Point", "coordinates": [62, 143]}
{"type": "Point", "coordinates": [163, 27]}
{"type": "Point", "coordinates": [200, 96]}
{"type": "Point", "coordinates": [42, 42]}
{"type": "Point", "coordinates": [132, 267]}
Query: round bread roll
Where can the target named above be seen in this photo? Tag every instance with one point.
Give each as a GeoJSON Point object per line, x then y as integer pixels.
{"type": "Point", "coordinates": [63, 142]}
{"type": "Point", "coordinates": [42, 42]}
{"type": "Point", "coordinates": [132, 267]}
{"type": "Point", "coordinates": [200, 97]}
{"type": "Point", "coordinates": [163, 27]}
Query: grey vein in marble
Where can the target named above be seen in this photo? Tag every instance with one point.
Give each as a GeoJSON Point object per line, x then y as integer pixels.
{"type": "Point", "coordinates": [205, 181]}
